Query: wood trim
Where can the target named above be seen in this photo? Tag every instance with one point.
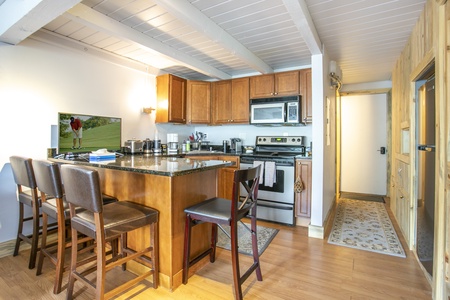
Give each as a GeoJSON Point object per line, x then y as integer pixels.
{"type": "Point", "coordinates": [423, 66]}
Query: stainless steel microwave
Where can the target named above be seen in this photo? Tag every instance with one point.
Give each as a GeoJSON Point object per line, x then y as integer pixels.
{"type": "Point", "coordinates": [279, 110]}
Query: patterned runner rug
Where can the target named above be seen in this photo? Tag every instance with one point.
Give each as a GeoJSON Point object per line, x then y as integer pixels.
{"type": "Point", "coordinates": [265, 236]}
{"type": "Point", "coordinates": [365, 225]}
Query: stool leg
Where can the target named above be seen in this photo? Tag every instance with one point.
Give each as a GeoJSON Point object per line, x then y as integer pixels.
{"type": "Point", "coordinates": [101, 273]}
{"type": "Point", "coordinates": [255, 248]}
{"type": "Point", "coordinates": [155, 253]}
{"type": "Point", "coordinates": [19, 230]}
{"type": "Point", "coordinates": [187, 248]}
{"type": "Point", "coordinates": [60, 253]}
{"type": "Point", "coordinates": [123, 245]}
{"type": "Point", "coordinates": [235, 261]}
{"type": "Point", "coordinates": [35, 237]}
{"type": "Point", "coordinates": [73, 264]}
{"type": "Point", "coordinates": [212, 255]}
{"type": "Point", "coordinates": [43, 243]}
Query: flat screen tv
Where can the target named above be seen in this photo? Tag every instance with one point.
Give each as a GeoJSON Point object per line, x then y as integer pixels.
{"type": "Point", "coordinates": [98, 132]}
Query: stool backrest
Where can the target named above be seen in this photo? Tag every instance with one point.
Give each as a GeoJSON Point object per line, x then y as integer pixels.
{"type": "Point", "coordinates": [23, 173]}
{"type": "Point", "coordinates": [249, 179]}
{"type": "Point", "coordinates": [48, 178]}
{"type": "Point", "coordinates": [82, 187]}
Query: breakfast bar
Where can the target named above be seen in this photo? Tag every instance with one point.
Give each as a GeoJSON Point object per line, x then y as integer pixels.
{"type": "Point", "coordinates": [169, 185]}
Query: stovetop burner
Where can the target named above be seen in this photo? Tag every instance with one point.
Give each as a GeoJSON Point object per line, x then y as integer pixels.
{"type": "Point", "coordinates": [281, 149]}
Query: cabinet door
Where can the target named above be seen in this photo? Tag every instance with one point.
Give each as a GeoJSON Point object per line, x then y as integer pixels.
{"type": "Point", "coordinates": [287, 83]}
{"type": "Point", "coordinates": [171, 99]}
{"type": "Point", "coordinates": [240, 101]}
{"type": "Point", "coordinates": [177, 100]}
{"type": "Point", "coordinates": [303, 172]}
{"type": "Point", "coordinates": [306, 93]}
{"type": "Point", "coordinates": [221, 102]}
{"type": "Point", "coordinates": [262, 86]}
{"type": "Point", "coordinates": [225, 176]}
{"type": "Point", "coordinates": [199, 102]}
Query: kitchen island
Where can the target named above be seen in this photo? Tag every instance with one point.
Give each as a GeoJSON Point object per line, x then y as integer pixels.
{"type": "Point", "coordinates": [169, 185]}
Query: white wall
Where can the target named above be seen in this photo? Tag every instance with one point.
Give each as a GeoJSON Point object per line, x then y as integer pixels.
{"type": "Point", "coordinates": [37, 81]}
{"type": "Point", "coordinates": [324, 148]}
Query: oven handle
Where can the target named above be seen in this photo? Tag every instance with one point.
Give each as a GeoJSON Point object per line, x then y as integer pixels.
{"type": "Point", "coordinates": [283, 207]}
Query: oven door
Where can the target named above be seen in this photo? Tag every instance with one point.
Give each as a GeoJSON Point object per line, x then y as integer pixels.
{"type": "Point", "coordinates": [276, 203]}
{"type": "Point", "coordinates": [281, 191]}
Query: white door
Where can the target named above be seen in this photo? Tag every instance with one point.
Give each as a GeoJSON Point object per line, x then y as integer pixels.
{"type": "Point", "coordinates": [363, 131]}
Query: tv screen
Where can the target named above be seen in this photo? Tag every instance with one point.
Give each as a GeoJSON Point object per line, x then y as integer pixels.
{"type": "Point", "coordinates": [91, 133]}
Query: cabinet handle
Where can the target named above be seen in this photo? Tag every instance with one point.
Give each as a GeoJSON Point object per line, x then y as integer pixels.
{"type": "Point", "coordinates": [298, 185]}
{"type": "Point", "coordinates": [401, 197]}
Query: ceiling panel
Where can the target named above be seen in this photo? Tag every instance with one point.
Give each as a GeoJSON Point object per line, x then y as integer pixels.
{"type": "Point", "coordinates": [238, 37]}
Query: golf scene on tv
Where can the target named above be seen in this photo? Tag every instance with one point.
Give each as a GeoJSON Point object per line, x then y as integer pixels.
{"type": "Point", "coordinates": [86, 133]}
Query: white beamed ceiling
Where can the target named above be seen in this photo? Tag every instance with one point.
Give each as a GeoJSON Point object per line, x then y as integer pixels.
{"type": "Point", "coordinates": [219, 39]}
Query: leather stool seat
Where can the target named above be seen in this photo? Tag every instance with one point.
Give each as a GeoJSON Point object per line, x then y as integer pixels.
{"type": "Point", "coordinates": [119, 218]}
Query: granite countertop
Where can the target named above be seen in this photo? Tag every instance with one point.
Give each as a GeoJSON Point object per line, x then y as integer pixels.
{"type": "Point", "coordinates": [176, 165]}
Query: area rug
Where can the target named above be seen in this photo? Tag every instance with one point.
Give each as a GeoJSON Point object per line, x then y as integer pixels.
{"type": "Point", "coordinates": [265, 236]}
{"type": "Point", "coordinates": [359, 196]}
{"type": "Point", "coordinates": [366, 226]}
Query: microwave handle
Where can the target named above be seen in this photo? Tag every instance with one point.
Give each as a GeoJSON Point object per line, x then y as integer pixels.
{"type": "Point", "coordinates": [285, 112]}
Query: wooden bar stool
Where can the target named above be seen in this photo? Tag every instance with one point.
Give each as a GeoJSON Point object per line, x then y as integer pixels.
{"type": "Point", "coordinates": [53, 204]}
{"type": "Point", "coordinates": [27, 194]}
{"type": "Point", "coordinates": [218, 212]}
{"type": "Point", "coordinates": [103, 224]}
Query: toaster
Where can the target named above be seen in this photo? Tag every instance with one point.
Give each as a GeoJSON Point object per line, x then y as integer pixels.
{"type": "Point", "coordinates": [133, 146]}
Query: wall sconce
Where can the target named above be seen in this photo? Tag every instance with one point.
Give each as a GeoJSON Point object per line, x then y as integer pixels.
{"type": "Point", "coordinates": [335, 75]}
{"type": "Point", "coordinates": [147, 110]}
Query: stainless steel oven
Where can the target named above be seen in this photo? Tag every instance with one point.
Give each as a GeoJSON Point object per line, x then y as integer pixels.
{"type": "Point", "coordinates": [276, 200]}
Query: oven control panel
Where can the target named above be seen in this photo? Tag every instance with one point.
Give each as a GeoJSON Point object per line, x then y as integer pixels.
{"type": "Point", "coordinates": [279, 140]}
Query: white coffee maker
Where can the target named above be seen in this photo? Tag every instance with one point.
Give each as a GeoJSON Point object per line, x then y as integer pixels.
{"type": "Point", "coordinates": [172, 143]}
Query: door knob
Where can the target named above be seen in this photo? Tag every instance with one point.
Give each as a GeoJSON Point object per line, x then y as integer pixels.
{"type": "Point", "coordinates": [382, 150]}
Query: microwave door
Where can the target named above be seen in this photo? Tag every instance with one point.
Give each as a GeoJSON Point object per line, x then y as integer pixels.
{"type": "Point", "coordinates": [268, 113]}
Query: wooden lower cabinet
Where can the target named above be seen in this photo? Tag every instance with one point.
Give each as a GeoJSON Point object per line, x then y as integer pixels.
{"type": "Point", "coordinates": [225, 176]}
{"type": "Point", "coordinates": [303, 174]}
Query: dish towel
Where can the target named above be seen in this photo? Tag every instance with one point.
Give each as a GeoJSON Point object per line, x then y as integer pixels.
{"type": "Point", "coordinates": [259, 163]}
{"type": "Point", "coordinates": [270, 175]}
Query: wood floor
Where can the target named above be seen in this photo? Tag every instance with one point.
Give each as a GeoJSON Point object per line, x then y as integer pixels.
{"type": "Point", "coordinates": [294, 267]}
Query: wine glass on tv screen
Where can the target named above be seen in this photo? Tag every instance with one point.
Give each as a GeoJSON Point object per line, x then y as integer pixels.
{"type": "Point", "coordinates": [97, 132]}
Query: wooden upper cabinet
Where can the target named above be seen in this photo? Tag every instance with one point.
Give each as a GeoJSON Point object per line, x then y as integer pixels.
{"type": "Point", "coordinates": [240, 91]}
{"type": "Point", "coordinates": [306, 93]}
{"type": "Point", "coordinates": [230, 101]}
{"type": "Point", "coordinates": [198, 102]}
{"type": "Point", "coordinates": [171, 99]}
{"type": "Point", "coordinates": [221, 102]}
{"type": "Point", "coordinates": [275, 85]}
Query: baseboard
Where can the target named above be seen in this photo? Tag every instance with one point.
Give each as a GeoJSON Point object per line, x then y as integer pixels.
{"type": "Point", "coordinates": [302, 221]}
{"type": "Point", "coordinates": [316, 232]}
{"type": "Point", "coordinates": [320, 231]}
{"type": "Point", "coordinates": [7, 248]}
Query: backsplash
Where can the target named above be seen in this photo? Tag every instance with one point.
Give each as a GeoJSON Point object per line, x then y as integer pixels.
{"type": "Point", "coordinates": [248, 133]}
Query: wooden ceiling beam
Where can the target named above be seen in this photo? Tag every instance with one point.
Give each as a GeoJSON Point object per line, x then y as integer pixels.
{"type": "Point", "coordinates": [93, 19]}
{"type": "Point", "coordinates": [190, 15]}
{"type": "Point", "coordinates": [20, 19]}
{"type": "Point", "coordinates": [301, 17]}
